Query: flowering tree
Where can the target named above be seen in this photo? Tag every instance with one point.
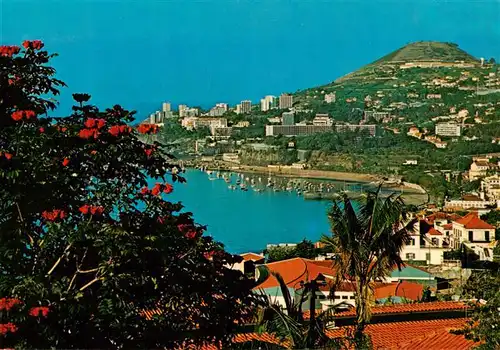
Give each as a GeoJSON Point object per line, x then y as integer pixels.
{"type": "Point", "coordinates": [87, 248]}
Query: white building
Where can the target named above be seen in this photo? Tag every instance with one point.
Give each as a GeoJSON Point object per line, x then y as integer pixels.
{"type": "Point", "coordinates": [264, 105]}
{"type": "Point", "coordinates": [330, 98]}
{"type": "Point", "coordinates": [490, 186]}
{"type": "Point", "coordinates": [166, 107]}
{"type": "Point", "coordinates": [286, 101]}
{"type": "Point", "coordinates": [245, 106]}
{"type": "Point", "coordinates": [322, 119]}
{"type": "Point", "coordinates": [473, 231]}
{"type": "Point", "coordinates": [428, 243]}
{"type": "Point", "coordinates": [447, 129]}
{"type": "Point", "coordinates": [468, 202]}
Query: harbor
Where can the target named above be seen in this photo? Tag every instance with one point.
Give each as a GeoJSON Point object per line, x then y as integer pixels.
{"type": "Point", "coordinates": [309, 189]}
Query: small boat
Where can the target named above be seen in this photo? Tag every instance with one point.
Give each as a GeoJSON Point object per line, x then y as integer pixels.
{"type": "Point", "coordinates": [209, 172]}
{"type": "Point", "coordinates": [231, 187]}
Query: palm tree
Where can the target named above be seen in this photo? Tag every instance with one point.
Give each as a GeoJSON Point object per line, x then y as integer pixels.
{"type": "Point", "coordinates": [367, 238]}
{"type": "Point", "coordinates": [288, 323]}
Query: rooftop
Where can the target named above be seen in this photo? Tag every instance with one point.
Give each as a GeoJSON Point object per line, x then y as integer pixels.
{"type": "Point", "coordinates": [251, 257]}
{"type": "Point", "coordinates": [295, 270]}
{"type": "Point", "coordinates": [472, 221]}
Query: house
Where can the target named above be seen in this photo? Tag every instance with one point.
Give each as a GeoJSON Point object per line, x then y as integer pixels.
{"type": "Point", "coordinates": [480, 168]}
{"type": "Point", "coordinates": [472, 230]}
{"type": "Point", "coordinates": [247, 265]}
{"type": "Point", "coordinates": [294, 272]}
{"type": "Point", "coordinates": [428, 244]}
{"type": "Point", "coordinates": [490, 186]}
{"type": "Point", "coordinates": [468, 202]}
{"type": "Point", "coordinates": [393, 327]}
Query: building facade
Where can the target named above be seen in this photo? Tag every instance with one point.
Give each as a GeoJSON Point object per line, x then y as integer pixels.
{"type": "Point", "coordinates": [448, 129]}
{"type": "Point", "coordinates": [286, 101]}
{"type": "Point", "coordinates": [245, 106]}
{"type": "Point", "coordinates": [330, 98]}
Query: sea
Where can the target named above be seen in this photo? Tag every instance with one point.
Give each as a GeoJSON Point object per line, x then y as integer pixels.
{"type": "Point", "coordinates": [247, 221]}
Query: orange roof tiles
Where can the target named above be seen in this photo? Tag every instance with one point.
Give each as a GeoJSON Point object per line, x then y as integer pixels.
{"type": "Point", "coordinates": [471, 221]}
{"type": "Point", "coordinates": [295, 270]}
{"type": "Point", "coordinates": [448, 226]}
{"type": "Point", "coordinates": [409, 308]}
{"type": "Point", "coordinates": [251, 257]}
{"type": "Point", "coordinates": [414, 335]}
{"type": "Point", "coordinates": [434, 232]}
{"type": "Point", "coordinates": [404, 289]}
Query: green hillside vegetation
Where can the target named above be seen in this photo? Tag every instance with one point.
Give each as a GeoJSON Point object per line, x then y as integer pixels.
{"type": "Point", "coordinates": [425, 51]}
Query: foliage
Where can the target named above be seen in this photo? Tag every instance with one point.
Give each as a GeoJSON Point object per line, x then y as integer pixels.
{"type": "Point", "coordinates": [84, 239]}
{"type": "Point", "coordinates": [288, 323]}
{"type": "Point", "coordinates": [367, 242]}
{"type": "Point", "coordinates": [304, 249]}
{"type": "Point", "coordinates": [484, 288]}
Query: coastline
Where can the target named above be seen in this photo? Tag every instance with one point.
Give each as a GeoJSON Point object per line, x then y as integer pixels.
{"type": "Point", "coordinates": [411, 193]}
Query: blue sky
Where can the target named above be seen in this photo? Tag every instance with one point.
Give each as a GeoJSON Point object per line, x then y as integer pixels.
{"type": "Point", "coordinates": [140, 53]}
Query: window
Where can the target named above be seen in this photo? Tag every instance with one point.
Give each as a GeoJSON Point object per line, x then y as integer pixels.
{"type": "Point", "coordinates": [410, 256]}
{"type": "Point", "coordinates": [428, 256]}
{"type": "Point", "coordinates": [435, 241]}
{"type": "Point", "coordinates": [337, 297]}
{"type": "Point", "coordinates": [351, 297]}
{"type": "Point", "coordinates": [471, 236]}
{"type": "Point", "coordinates": [487, 236]}
{"type": "Point", "coordinates": [412, 242]}
{"type": "Point", "coordinates": [321, 296]}
{"type": "Point", "coordinates": [345, 297]}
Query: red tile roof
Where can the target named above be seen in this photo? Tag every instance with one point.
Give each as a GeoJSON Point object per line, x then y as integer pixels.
{"type": "Point", "coordinates": [448, 226]}
{"type": "Point", "coordinates": [410, 308]}
{"type": "Point", "coordinates": [409, 335]}
{"type": "Point", "coordinates": [434, 232]}
{"type": "Point", "coordinates": [295, 270]}
{"type": "Point", "coordinates": [472, 221]}
{"type": "Point", "coordinates": [404, 289]}
{"type": "Point", "coordinates": [251, 257]}
{"type": "Point", "coordinates": [414, 335]}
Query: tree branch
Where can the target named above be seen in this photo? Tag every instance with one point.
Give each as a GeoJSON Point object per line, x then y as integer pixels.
{"type": "Point", "coordinates": [90, 283]}
{"type": "Point", "coordinates": [60, 258]}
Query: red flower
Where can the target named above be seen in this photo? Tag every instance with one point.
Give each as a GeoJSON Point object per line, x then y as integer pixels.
{"type": "Point", "coordinates": [35, 311]}
{"type": "Point", "coordinates": [148, 151]}
{"type": "Point", "coordinates": [125, 129]}
{"type": "Point", "coordinates": [12, 81]}
{"type": "Point", "coordinates": [53, 215]}
{"type": "Point", "coordinates": [17, 115]}
{"type": "Point", "coordinates": [144, 190]}
{"type": "Point", "coordinates": [209, 255]}
{"type": "Point", "coordinates": [168, 189]}
{"type": "Point", "coordinates": [8, 303]}
{"type": "Point", "coordinates": [9, 51]}
{"type": "Point", "coordinates": [100, 123]}
{"type": "Point", "coordinates": [84, 209]}
{"type": "Point", "coordinates": [8, 156]}
{"type": "Point", "coordinates": [7, 327]}
{"type": "Point", "coordinates": [88, 133]}
{"type": "Point", "coordinates": [90, 123]}
{"type": "Point", "coordinates": [192, 234]}
{"type": "Point", "coordinates": [65, 162]}
{"type": "Point", "coordinates": [29, 114]}
{"type": "Point", "coordinates": [114, 130]}
{"type": "Point", "coordinates": [156, 190]}
{"type": "Point", "coordinates": [64, 129]}
{"type": "Point", "coordinates": [147, 128]}
{"type": "Point", "coordinates": [42, 130]}
{"type": "Point", "coordinates": [96, 210]}
{"type": "Point", "coordinates": [35, 44]}
{"type": "Point", "coordinates": [93, 152]}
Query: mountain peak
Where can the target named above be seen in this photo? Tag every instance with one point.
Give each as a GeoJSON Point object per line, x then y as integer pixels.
{"type": "Point", "coordinates": [427, 51]}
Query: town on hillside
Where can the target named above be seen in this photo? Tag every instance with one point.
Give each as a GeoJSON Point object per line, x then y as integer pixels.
{"type": "Point", "coordinates": [418, 115]}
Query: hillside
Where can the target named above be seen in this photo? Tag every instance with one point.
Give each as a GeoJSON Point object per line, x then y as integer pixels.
{"type": "Point", "coordinates": [427, 51]}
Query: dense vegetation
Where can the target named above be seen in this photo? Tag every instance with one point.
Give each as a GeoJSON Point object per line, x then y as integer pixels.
{"type": "Point", "coordinates": [88, 240]}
